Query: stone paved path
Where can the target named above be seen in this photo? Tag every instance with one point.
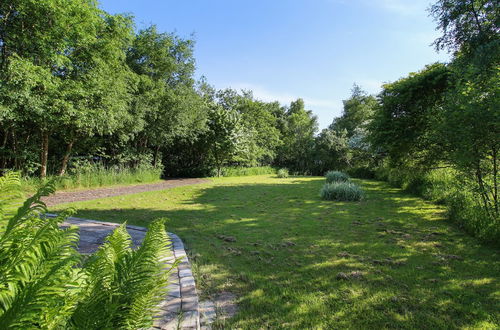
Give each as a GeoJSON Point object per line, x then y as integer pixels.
{"type": "Point", "coordinates": [180, 309]}
{"type": "Point", "coordinates": [84, 195]}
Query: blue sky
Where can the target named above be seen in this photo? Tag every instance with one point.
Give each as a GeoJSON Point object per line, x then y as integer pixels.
{"type": "Point", "coordinates": [285, 49]}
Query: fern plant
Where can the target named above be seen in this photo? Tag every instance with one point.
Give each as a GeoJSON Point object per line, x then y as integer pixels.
{"type": "Point", "coordinates": [43, 283]}
{"type": "Point", "coordinates": [37, 261]}
{"type": "Point", "coordinates": [124, 286]}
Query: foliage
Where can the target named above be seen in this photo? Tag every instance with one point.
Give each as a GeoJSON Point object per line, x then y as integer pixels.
{"type": "Point", "coordinates": [44, 285]}
{"type": "Point", "coordinates": [465, 24]}
{"type": "Point", "coordinates": [39, 281]}
{"type": "Point", "coordinates": [123, 287]}
{"type": "Point", "coordinates": [244, 171]}
{"type": "Point", "coordinates": [282, 173]}
{"type": "Point", "coordinates": [449, 187]}
{"type": "Point", "coordinates": [331, 150]}
{"type": "Point", "coordinates": [87, 175]}
{"type": "Point", "coordinates": [405, 124]}
{"type": "Point", "coordinates": [341, 191]}
{"type": "Point", "coordinates": [299, 128]}
{"type": "Point", "coordinates": [336, 176]}
{"type": "Point", "coordinates": [225, 136]}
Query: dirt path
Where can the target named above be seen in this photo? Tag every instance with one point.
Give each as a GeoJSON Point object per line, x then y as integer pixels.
{"type": "Point", "coordinates": [85, 195]}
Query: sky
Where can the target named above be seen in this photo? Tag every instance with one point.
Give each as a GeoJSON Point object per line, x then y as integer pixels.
{"type": "Point", "coordinates": [286, 49]}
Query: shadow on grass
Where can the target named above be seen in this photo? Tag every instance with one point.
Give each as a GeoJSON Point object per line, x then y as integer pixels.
{"type": "Point", "coordinates": [405, 266]}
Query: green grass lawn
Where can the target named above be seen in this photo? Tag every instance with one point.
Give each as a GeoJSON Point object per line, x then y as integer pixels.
{"type": "Point", "coordinates": [403, 265]}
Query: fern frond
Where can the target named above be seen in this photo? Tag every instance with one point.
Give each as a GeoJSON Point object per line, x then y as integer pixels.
{"type": "Point", "coordinates": [125, 285]}
{"type": "Point", "coordinates": [10, 197]}
{"type": "Point", "coordinates": [32, 205]}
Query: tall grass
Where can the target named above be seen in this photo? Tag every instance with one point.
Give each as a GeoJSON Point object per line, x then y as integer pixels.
{"type": "Point", "coordinates": [341, 191]}
{"type": "Point", "coordinates": [283, 173]}
{"type": "Point", "coordinates": [98, 175]}
{"type": "Point", "coordinates": [336, 176]}
{"type": "Point", "coordinates": [446, 186]}
{"type": "Point", "coordinates": [246, 171]}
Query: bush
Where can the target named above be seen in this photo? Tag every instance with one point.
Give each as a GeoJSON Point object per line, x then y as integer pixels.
{"type": "Point", "coordinates": [336, 176]}
{"type": "Point", "coordinates": [283, 173]}
{"type": "Point", "coordinates": [341, 191]}
{"type": "Point", "coordinates": [446, 186]}
{"type": "Point", "coordinates": [244, 171]}
{"type": "Point", "coordinates": [84, 174]}
{"type": "Point", "coordinates": [43, 284]}
{"type": "Point", "coordinates": [361, 172]}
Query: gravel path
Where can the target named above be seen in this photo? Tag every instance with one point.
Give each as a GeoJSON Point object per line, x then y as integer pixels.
{"type": "Point", "coordinates": [85, 195]}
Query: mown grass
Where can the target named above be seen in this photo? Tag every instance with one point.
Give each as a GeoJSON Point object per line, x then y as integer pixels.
{"type": "Point", "coordinates": [389, 261]}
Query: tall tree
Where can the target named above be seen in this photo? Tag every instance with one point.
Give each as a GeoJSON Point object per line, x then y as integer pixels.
{"type": "Point", "coordinates": [164, 94]}
{"type": "Point", "coordinates": [405, 124]}
{"type": "Point", "coordinates": [59, 66]}
{"type": "Point", "coordinates": [357, 112]}
{"type": "Point", "coordinates": [471, 120]}
{"type": "Point", "coordinates": [225, 135]}
{"type": "Point", "coordinates": [298, 137]}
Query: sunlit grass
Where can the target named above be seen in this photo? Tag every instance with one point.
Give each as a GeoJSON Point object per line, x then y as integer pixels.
{"type": "Point", "coordinates": [405, 266]}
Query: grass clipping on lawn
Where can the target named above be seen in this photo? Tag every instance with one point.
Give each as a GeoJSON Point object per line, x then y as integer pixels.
{"type": "Point", "coordinates": [296, 261]}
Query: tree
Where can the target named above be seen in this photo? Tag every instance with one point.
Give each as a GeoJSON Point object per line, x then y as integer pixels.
{"type": "Point", "coordinates": [61, 67]}
{"type": "Point", "coordinates": [331, 151]}
{"type": "Point", "coordinates": [466, 24]}
{"type": "Point", "coordinates": [357, 112]}
{"type": "Point", "coordinates": [471, 120]}
{"type": "Point", "coordinates": [224, 135]}
{"type": "Point", "coordinates": [164, 94]}
{"type": "Point", "coordinates": [257, 117]}
{"type": "Point", "coordinates": [298, 138]}
{"type": "Point", "coordinates": [405, 124]}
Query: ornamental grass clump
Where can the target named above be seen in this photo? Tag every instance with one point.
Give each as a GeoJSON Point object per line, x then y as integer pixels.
{"type": "Point", "coordinates": [283, 173]}
{"type": "Point", "coordinates": [336, 176]}
{"type": "Point", "coordinates": [341, 191]}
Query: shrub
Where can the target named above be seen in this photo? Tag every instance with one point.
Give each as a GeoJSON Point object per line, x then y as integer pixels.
{"type": "Point", "coordinates": [88, 175]}
{"type": "Point", "coordinates": [231, 171]}
{"type": "Point", "coordinates": [43, 284]}
{"type": "Point", "coordinates": [336, 176]}
{"type": "Point", "coordinates": [362, 172]}
{"type": "Point", "coordinates": [283, 173]}
{"type": "Point", "coordinates": [341, 191]}
{"type": "Point", "coordinates": [446, 186]}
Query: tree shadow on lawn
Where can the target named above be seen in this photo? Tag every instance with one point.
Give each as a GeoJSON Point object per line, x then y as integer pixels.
{"type": "Point", "coordinates": [281, 249]}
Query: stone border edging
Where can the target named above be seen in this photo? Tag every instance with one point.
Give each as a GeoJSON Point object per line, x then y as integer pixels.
{"type": "Point", "coordinates": [180, 308]}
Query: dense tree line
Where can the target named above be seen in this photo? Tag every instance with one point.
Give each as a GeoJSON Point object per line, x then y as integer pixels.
{"type": "Point", "coordinates": [78, 83]}
{"type": "Point", "coordinates": [448, 116]}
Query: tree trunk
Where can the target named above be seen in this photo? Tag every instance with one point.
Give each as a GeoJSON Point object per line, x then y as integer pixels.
{"type": "Point", "coordinates": [45, 154]}
{"type": "Point", "coordinates": [4, 144]}
{"type": "Point", "coordinates": [64, 163]}
{"type": "Point", "coordinates": [495, 180]}
{"type": "Point", "coordinates": [155, 159]}
{"type": "Point", "coordinates": [14, 150]}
